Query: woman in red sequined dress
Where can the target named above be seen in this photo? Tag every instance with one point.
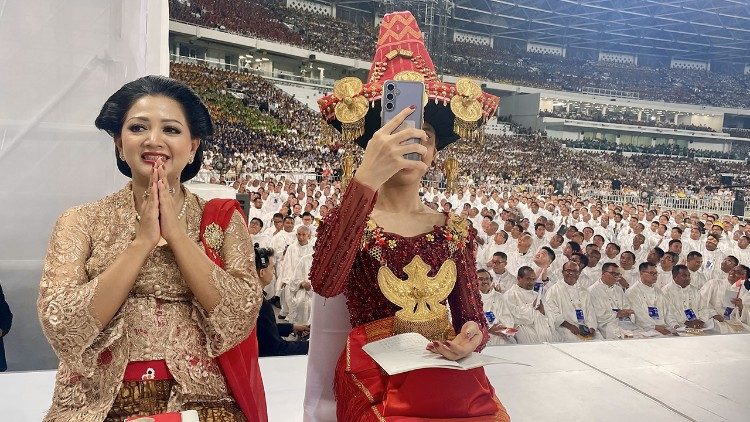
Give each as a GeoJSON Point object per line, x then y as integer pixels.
{"type": "Point", "coordinates": [401, 266]}
{"type": "Point", "coordinates": [382, 223]}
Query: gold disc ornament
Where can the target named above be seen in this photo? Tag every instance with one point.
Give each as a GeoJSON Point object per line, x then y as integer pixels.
{"type": "Point", "coordinates": [352, 106]}
{"type": "Point", "coordinates": [466, 109]}
{"type": "Point", "coordinates": [468, 88]}
{"type": "Point", "coordinates": [464, 104]}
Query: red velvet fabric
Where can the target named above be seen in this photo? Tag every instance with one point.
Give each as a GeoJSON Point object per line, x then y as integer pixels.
{"type": "Point", "coordinates": [239, 364]}
{"type": "Point", "coordinates": [424, 394]}
{"type": "Point", "coordinates": [135, 371]}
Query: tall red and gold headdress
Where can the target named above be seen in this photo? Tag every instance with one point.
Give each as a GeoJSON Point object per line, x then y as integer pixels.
{"type": "Point", "coordinates": [455, 111]}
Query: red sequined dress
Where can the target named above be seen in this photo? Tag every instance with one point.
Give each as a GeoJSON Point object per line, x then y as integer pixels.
{"type": "Point", "coordinates": [370, 267]}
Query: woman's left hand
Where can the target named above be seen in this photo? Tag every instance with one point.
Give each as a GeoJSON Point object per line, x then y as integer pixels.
{"type": "Point", "coordinates": [460, 347]}
{"type": "Point", "coordinates": [170, 225]}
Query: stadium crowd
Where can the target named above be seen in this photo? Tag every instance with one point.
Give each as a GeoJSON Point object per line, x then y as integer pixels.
{"type": "Point", "coordinates": [623, 120]}
{"type": "Point", "coordinates": [516, 243]}
{"type": "Point", "coordinates": [261, 129]}
{"type": "Point", "coordinates": [551, 268]}
{"type": "Point", "coordinates": [274, 21]}
{"type": "Point", "coordinates": [662, 149]}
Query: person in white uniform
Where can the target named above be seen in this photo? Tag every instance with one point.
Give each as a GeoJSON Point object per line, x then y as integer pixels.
{"type": "Point", "coordinates": [570, 309]}
{"type": "Point", "coordinates": [528, 310]}
{"type": "Point", "coordinates": [610, 304]}
{"type": "Point", "coordinates": [499, 317]}
{"type": "Point", "coordinates": [685, 309]}
{"type": "Point", "coordinates": [648, 303]}
{"type": "Point", "coordinates": [723, 298]}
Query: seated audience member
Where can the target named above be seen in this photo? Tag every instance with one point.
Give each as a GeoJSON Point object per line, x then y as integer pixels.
{"type": "Point", "coordinates": [570, 309]}
{"type": "Point", "coordinates": [723, 299]}
{"type": "Point", "coordinates": [648, 303]}
{"type": "Point", "coordinates": [270, 333]}
{"type": "Point", "coordinates": [496, 310]}
{"type": "Point", "coordinates": [685, 309]}
{"type": "Point", "coordinates": [528, 311]}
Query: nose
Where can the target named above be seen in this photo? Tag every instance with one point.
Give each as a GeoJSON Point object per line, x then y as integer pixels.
{"type": "Point", "coordinates": [153, 138]}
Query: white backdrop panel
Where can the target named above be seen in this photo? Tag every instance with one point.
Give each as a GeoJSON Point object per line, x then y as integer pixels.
{"type": "Point", "coordinates": [61, 60]}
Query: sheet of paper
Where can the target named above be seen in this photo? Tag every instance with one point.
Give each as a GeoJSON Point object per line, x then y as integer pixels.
{"type": "Point", "coordinates": [407, 352]}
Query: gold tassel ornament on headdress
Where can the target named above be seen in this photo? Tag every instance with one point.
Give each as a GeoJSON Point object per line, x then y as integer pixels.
{"type": "Point", "coordinates": [351, 108]}
{"type": "Point", "coordinates": [347, 168]}
{"type": "Point", "coordinates": [467, 109]}
{"type": "Point", "coordinates": [450, 166]}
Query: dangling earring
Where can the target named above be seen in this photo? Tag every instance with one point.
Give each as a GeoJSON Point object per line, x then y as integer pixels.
{"type": "Point", "coordinates": [190, 161]}
{"type": "Point", "coordinates": [122, 155]}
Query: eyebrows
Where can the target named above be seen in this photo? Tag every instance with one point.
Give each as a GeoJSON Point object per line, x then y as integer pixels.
{"type": "Point", "coordinates": [147, 120]}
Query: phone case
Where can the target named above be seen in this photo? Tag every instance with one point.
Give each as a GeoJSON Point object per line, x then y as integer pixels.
{"type": "Point", "coordinates": [398, 95]}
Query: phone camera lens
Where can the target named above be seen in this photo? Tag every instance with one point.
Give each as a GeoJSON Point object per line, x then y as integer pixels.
{"type": "Point", "coordinates": [390, 87]}
{"type": "Point", "coordinates": [389, 106]}
{"type": "Point", "coordinates": [389, 97]}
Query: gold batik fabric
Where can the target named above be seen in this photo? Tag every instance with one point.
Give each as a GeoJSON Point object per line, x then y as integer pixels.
{"type": "Point", "coordinates": [152, 397]}
{"type": "Point", "coordinates": [160, 319]}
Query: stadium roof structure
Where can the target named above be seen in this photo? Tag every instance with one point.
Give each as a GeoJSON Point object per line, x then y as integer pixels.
{"type": "Point", "coordinates": [703, 30]}
{"type": "Point", "coordinates": [706, 30]}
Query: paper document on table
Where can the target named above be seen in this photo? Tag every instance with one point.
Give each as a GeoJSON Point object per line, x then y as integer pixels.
{"type": "Point", "coordinates": [407, 352]}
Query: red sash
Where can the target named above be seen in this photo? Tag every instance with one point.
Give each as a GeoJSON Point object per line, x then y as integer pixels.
{"type": "Point", "coordinates": [239, 364]}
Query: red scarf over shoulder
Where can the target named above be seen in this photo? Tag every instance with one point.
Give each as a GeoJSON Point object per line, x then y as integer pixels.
{"type": "Point", "coordinates": [239, 364]}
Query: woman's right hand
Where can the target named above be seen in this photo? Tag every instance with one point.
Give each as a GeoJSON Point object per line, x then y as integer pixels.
{"type": "Point", "coordinates": [148, 231]}
{"type": "Point", "coordinates": [384, 155]}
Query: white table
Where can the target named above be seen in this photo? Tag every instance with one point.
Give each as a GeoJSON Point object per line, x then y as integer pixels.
{"type": "Point", "coordinates": [672, 379]}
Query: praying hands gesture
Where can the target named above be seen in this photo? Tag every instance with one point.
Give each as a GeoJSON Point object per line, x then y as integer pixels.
{"type": "Point", "coordinates": [158, 217]}
{"type": "Point", "coordinates": [460, 347]}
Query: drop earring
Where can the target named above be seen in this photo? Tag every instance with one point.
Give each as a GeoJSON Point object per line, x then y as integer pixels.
{"type": "Point", "coordinates": [122, 155]}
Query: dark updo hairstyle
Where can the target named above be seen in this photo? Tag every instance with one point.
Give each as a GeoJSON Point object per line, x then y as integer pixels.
{"type": "Point", "coordinates": [112, 116]}
{"type": "Point", "coordinates": [262, 257]}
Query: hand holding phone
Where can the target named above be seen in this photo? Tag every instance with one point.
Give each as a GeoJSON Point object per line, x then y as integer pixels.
{"type": "Point", "coordinates": [384, 155]}
{"type": "Point", "coordinates": [398, 95]}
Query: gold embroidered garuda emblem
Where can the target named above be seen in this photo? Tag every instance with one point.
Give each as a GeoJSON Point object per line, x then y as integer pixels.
{"type": "Point", "coordinates": [420, 298]}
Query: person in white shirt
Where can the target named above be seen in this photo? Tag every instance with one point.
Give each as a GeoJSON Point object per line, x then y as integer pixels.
{"type": "Point", "coordinates": [694, 263]}
{"type": "Point", "coordinates": [694, 242]}
{"type": "Point", "coordinates": [648, 303]}
{"type": "Point", "coordinates": [723, 298]}
{"type": "Point", "coordinates": [259, 238]}
{"type": "Point", "coordinates": [742, 251]}
{"type": "Point", "coordinates": [685, 309]}
{"type": "Point", "coordinates": [628, 269]}
{"type": "Point", "coordinates": [675, 246]}
{"type": "Point", "coordinates": [611, 253]}
{"type": "Point", "coordinates": [592, 269]}
{"type": "Point", "coordinates": [499, 317]}
{"type": "Point", "coordinates": [664, 269]}
{"type": "Point", "coordinates": [309, 221]}
{"type": "Point", "coordinates": [638, 248]}
{"type": "Point", "coordinates": [528, 311]}
{"type": "Point", "coordinates": [256, 209]}
{"type": "Point", "coordinates": [280, 242]}
{"type": "Point", "coordinates": [297, 281]}
{"type": "Point", "coordinates": [569, 308]}
{"type": "Point", "coordinates": [502, 279]}
{"type": "Point", "coordinates": [712, 257]}
{"type": "Point", "coordinates": [522, 256]}
{"type": "Point", "coordinates": [540, 237]}
{"type": "Point", "coordinates": [276, 226]}
{"type": "Point", "coordinates": [498, 244]}
{"type": "Point", "coordinates": [610, 304]}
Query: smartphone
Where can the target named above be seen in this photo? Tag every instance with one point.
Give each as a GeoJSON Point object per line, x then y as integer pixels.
{"type": "Point", "coordinates": [561, 231]}
{"type": "Point", "coordinates": [398, 95]}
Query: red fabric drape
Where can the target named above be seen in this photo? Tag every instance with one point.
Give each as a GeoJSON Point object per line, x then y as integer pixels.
{"type": "Point", "coordinates": [239, 364]}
